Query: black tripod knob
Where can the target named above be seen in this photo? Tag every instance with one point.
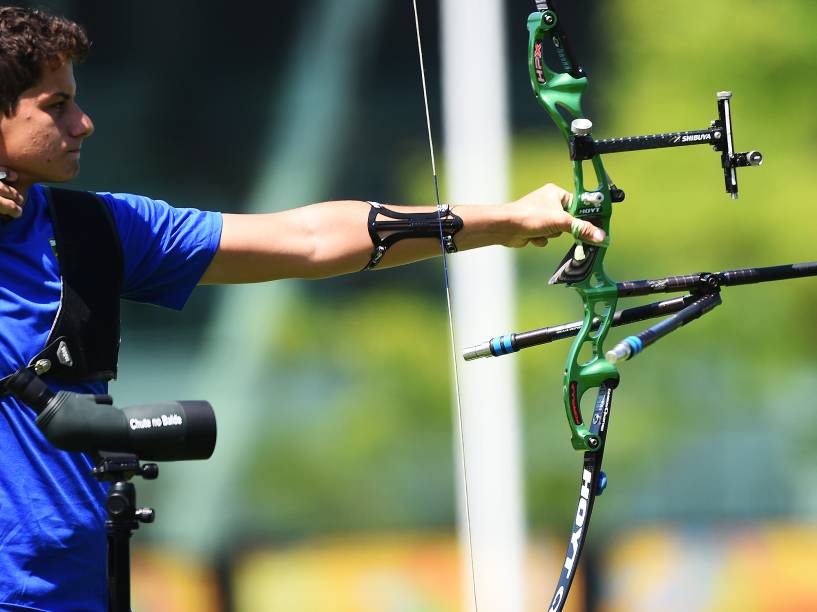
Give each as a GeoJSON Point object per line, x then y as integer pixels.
{"type": "Point", "coordinates": [149, 471]}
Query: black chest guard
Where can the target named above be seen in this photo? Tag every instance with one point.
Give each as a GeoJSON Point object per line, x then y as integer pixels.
{"type": "Point", "coordinates": [83, 345]}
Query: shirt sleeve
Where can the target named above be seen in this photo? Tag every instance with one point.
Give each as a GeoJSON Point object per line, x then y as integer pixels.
{"type": "Point", "coordinates": [166, 249]}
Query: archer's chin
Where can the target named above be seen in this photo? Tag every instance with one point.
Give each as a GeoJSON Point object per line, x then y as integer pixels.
{"type": "Point", "coordinates": [68, 175]}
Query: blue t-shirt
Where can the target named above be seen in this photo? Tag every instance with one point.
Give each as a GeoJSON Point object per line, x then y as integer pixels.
{"type": "Point", "coordinates": [52, 517]}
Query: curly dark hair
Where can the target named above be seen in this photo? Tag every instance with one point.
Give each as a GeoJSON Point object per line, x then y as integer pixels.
{"type": "Point", "coordinates": [30, 40]}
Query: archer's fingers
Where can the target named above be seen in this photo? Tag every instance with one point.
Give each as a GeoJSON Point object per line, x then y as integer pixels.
{"type": "Point", "coordinates": [586, 231]}
{"type": "Point", "coordinates": [566, 198]}
{"type": "Point", "coordinates": [539, 242]}
{"type": "Point", "coordinates": [11, 200]}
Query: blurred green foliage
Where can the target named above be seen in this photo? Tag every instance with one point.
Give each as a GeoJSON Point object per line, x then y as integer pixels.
{"type": "Point", "coordinates": [372, 448]}
{"type": "Point", "coordinates": [376, 450]}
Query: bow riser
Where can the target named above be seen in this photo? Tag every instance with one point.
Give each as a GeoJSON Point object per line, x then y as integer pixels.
{"type": "Point", "coordinates": [560, 94]}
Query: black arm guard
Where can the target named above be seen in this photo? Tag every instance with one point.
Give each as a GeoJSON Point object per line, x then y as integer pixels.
{"type": "Point", "coordinates": [441, 223]}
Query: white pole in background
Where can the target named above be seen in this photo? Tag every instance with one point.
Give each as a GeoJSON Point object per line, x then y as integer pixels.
{"type": "Point", "coordinates": [476, 137]}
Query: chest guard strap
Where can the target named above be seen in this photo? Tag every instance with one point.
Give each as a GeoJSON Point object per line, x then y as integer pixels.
{"type": "Point", "coordinates": [83, 345]}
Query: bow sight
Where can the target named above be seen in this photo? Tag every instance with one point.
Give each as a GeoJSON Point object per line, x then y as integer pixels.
{"type": "Point", "coordinates": [719, 135]}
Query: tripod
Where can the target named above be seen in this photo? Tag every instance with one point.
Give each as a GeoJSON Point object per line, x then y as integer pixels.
{"type": "Point", "coordinates": [123, 518]}
{"type": "Point", "coordinates": [164, 431]}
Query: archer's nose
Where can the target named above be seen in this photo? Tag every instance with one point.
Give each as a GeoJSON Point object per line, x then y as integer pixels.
{"type": "Point", "coordinates": [84, 126]}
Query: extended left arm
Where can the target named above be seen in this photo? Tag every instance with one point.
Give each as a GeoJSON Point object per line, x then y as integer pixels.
{"type": "Point", "coordinates": [331, 238]}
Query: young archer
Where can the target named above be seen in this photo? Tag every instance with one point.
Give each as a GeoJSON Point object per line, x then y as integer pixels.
{"type": "Point", "coordinates": [52, 539]}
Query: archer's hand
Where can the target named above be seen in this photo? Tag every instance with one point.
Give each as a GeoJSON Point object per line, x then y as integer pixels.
{"type": "Point", "coordinates": [541, 215]}
{"type": "Point", "coordinates": [11, 200]}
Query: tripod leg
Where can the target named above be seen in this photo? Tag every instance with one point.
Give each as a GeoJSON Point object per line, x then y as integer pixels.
{"type": "Point", "coordinates": [121, 522]}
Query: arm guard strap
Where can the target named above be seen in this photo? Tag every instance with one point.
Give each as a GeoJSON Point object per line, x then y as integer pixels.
{"type": "Point", "coordinates": [441, 223]}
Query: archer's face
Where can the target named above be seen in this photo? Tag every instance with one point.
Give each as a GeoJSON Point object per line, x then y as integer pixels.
{"type": "Point", "coordinates": [41, 141]}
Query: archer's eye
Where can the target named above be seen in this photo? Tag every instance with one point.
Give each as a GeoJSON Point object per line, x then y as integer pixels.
{"type": "Point", "coordinates": [58, 106]}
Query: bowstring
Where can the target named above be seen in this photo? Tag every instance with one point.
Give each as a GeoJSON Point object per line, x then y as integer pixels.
{"type": "Point", "coordinates": [440, 209]}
